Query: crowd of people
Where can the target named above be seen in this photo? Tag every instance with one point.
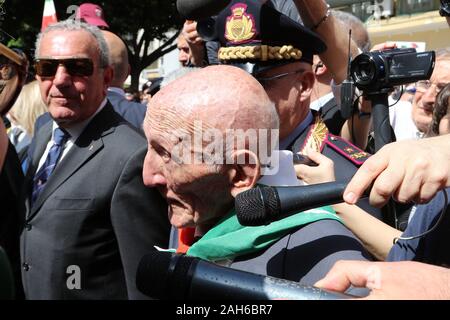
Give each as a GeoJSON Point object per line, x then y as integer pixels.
{"type": "Point", "coordinates": [92, 181]}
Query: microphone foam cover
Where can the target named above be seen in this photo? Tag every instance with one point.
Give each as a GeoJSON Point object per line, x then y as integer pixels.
{"type": "Point", "coordinates": [180, 281]}
{"type": "Point", "coordinates": [164, 275]}
{"type": "Point", "coordinates": [153, 273]}
{"type": "Point", "coordinates": [254, 207]}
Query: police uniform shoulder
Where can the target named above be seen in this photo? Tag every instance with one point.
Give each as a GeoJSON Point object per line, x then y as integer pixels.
{"type": "Point", "coordinates": [347, 149]}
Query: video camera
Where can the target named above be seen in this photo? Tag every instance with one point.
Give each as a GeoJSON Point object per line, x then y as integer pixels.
{"type": "Point", "coordinates": [378, 70]}
{"type": "Point", "coordinates": [444, 10]}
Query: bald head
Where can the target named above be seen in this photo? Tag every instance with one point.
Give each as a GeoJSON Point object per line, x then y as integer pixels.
{"type": "Point", "coordinates": [118, 56]}
{"type": "Point", "coordinates": [223, 97]}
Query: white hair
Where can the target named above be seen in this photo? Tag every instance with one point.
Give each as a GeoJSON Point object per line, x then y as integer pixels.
{"type": "Point", "coordinates": [75, 25]}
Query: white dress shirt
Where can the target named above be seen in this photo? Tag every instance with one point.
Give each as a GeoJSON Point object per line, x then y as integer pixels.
{"type": "Point", "coordinates": [75, 131]}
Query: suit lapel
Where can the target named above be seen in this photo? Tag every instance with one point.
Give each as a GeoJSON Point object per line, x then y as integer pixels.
{"type": "Point", "coordinates": [85, 148]}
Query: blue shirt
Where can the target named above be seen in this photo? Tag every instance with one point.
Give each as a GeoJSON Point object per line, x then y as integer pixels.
{"type": "Point", "coordinates": [434, 248]}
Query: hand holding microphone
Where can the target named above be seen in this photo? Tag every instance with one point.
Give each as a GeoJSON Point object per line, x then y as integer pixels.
{"type": "Point", "coordinates": [190, 33]}
{"type": "Point", "coordinates": [406, 170]}
{"type": "Point", "coordinates": [322, 169]}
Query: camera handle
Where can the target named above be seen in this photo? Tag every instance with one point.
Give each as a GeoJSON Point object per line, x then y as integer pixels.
{"type": "Point", "coordinates": [383, 135]}
{"type": "Point", "coordinates": [380, 118]}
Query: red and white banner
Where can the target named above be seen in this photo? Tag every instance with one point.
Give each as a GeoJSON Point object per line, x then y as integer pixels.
{"type": "Point", "coordinates": [49, 16]}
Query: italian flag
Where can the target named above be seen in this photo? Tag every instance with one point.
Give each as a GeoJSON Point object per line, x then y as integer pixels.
{"type": "Point", "coordinates": [49, 15]}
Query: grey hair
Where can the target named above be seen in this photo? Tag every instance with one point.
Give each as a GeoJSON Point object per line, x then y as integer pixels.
{"type": "Point", "coordinates": [443, 53]}
{"type": "Point", "coordinates": [353, 22]}
{"type": "Point", "coordinates": [75, 25]}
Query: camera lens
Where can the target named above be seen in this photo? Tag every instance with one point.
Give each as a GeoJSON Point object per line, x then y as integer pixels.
{"type": "Point", "coordinates": [366, 71]}
{"type": "Point", "coordinates": [363, 70]}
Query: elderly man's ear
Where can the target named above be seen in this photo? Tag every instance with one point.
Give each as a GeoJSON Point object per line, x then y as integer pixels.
{"type": "Point", "coordinates": [108, 76]}
{"type": "Point", "coordinates": [245, 172]}
{"type": "Point", "coordinates": [307, 80]}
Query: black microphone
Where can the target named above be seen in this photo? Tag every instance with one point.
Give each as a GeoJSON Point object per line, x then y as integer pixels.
{"type": "Point", "coordinates": [163, 275]}
{"type": "Point", "coordinates": [264, 204]}
{"type": "Point", "coordinates": [200, 9]}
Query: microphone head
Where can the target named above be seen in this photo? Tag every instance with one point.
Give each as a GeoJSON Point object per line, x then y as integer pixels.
{"type": "Point", "coordinates": [164, 275]}
{"type": "Point", "coordinates": [200, 9]}
{"type": "Point", "coordinates": [256, 206]}
{"type": "Point", "coordinates": [206, 28]}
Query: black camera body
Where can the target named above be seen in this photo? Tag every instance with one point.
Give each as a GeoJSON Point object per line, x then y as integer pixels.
{"type": "Point", "coordinates": [444, 10]}
{"type": "Point", "coordinates": [375, 71]}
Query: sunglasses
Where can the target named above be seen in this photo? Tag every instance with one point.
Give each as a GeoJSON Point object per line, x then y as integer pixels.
{"type": "Point", "coordinates": [77, 67]}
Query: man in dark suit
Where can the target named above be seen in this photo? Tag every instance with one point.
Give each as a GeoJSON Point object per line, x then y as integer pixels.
{"type": "Point", "coordinates": [11, 176]}
{"type": "Point", "coordinates": [11, 179]}
{"type": "Point", "coordinates": [133, 112]}
{"type": "Point", "coordinates": [89, 216]}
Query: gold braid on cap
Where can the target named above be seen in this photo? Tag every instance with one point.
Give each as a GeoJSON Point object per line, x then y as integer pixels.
{"type": "Point", "coordinates": [261, 52]}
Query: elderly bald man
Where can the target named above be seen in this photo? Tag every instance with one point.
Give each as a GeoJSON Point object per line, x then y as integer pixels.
{"type": "Point", "coordinates": [211, 107]}
{"type": "Point", "coordinates": [133, 112]}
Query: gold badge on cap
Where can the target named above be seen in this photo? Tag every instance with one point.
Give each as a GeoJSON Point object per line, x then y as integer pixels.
{"type": "Point", "coordinates": [240, 26]}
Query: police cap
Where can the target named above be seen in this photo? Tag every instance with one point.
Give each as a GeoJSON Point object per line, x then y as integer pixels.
{"type": "Point", "coordinates": [256, 37]}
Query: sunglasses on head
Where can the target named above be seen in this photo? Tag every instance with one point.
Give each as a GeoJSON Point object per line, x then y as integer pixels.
{"type": "Point", "coordinates": [82, 67]}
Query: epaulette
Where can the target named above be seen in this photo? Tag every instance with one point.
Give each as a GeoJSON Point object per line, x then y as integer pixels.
{"type": "Point", "coordinates": [316, 136]}
{"type": "Point", "coordinates": [347, 149]}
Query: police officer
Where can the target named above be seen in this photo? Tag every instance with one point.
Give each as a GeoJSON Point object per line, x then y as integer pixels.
{"type": "Point", "coordinates": [278, 52]}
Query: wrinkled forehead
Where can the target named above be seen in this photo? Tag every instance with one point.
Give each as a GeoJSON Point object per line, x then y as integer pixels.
{"type": "Point", "coordinates": [75, 43]}
{"type": "Point", "coordinates": [165, 121]}
{"type": "Point", "coordinates": [441, 72]}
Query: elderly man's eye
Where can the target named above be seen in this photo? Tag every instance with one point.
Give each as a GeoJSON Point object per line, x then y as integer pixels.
{"type": "Point", "coordinates": [166, 155]}
{"type": "Point", "coordinates": [163, 153]}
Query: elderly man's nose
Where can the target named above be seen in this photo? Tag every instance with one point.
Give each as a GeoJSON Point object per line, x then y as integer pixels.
{"type": "Point", "coordinates": [152, 174]}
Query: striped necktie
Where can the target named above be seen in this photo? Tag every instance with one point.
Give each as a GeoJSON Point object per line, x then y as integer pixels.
{"type": "Point", "coordinates": [60, 137]}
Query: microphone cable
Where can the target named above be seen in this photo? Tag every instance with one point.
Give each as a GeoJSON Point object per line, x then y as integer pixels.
{"type": "Point", "coordinates": [441, 216]}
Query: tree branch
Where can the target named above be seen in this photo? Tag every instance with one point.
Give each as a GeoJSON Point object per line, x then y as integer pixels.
{"type": "Point", "coordinates": [141, 41]}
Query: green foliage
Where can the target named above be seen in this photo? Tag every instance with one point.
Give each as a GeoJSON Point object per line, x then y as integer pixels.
{"type": "Point", "coordinates": [20, 19]}
{"type": "Point", "coordinates": [16, 43]}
